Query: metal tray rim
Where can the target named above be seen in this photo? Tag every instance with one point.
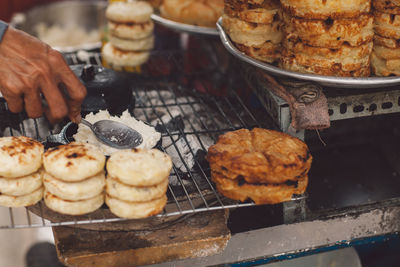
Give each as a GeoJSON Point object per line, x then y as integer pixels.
{"type": "Point", "coordinates": [182, 27]}
{"type": "Point", "coordinates": [332, 81]}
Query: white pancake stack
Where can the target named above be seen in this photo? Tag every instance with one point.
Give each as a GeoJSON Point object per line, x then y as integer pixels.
{"type": "Point", "coordinates": [20, 171]}
{"type": "Point", "coordinates": [74, 178]}
{"type": "Point", "coordinates": [130, 34]}
{"type": "Point", "coordinates": [385, 58]}
{"type": "Point", "coordinates": [137, 182]}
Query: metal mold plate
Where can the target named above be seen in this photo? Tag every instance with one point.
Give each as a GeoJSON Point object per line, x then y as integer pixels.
{"type": "Point", "coordinates": [329, 81]}
{"type": "Point", "coordinates": [182, 27]}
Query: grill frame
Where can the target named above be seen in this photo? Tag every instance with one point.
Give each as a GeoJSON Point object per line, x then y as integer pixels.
{"type": "Point", "coordinates": [231, 111]}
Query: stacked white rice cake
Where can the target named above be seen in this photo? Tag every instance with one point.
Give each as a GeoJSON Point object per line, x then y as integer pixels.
{"type": "Point", "coordinates": [20, 171]}
{"type": "Point", "coordinates": [137, 182]}
{"type": "Point", "coordinates": [254, 27]}
{"type": "Point", "coordinates": [130, 34]}
{"type": "Point", "coordinates": [74, 178]}
{"type": "Point", "coordinates": [385, 58]}
{"type": "Point", "coordinates": [331, 37]}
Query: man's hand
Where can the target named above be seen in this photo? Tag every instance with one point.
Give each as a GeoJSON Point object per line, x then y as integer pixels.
{"type": "Point", "coordinates": [30, 69]}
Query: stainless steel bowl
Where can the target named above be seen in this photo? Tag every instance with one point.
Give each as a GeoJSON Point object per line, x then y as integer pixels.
{"type": "Point", "coordinates": [89, 15]}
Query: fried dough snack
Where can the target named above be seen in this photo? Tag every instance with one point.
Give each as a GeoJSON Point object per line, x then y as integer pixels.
{"type": "Point", "coordinates": [347, 57]}
{"type": "Point", "coordinates": [391, 7]}
{"type": "Point", "coordinates": [251, 34]}
{"type": "Point", "coordinates": [317, 9]}
{"type": "Point", "coordinates": [259, 193]}
{"type": "Point", "coordinates": [260, 156]}
{"type": "Point", "coordinates": [387, 25]}
{"type": "Point", "coordinates": [384, 67]}
{"type": "Point", "coordinates": [267, 52]}
{"type": "Point", "coordinates": [265, 12]}
{"type": "Point", "coordinates": [195, 12]}
{"type": "Point", "coordinates": [330, 33]}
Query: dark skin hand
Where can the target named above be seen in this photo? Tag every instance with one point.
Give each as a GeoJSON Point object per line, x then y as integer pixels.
{"type": "Point", "coordinates": [31, 70]}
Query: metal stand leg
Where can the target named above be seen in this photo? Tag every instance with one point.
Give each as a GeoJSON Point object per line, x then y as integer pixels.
{"type": "Point", "coordinates": [294, 211]}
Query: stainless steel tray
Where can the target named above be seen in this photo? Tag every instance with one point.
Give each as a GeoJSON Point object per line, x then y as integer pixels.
{"type": "Point", "coordinates": [182, 27]}
{"type": "Point", "coordinates": [330, 81]}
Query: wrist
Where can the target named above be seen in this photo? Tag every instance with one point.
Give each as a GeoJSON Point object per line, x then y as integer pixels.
{"type": "Point", "coordinates": [3, 29]}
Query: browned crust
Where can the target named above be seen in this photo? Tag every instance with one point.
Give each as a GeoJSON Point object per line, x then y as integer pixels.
{"type": "Point", "coordinates": [268, 52]}
{"type": "Point", "coordinates": [267, 12]}
{"type": "Point", "coordinates": [291, 64]}
{"type": "Point", "coordinates": [260, 156]}
{"type": "Point", "coordinates": [387, 6]}
{"type": "Point", "coordinates": [330, 33]}
{"type": "Point", "coordinates": [316, 15]}
{"type": "Point", "coordinates": [259, 193]}
{"type": "Point", "coordinates": [387, 42]}
{"type": "Point", "coordinates": [387, 25]}
{"type": "Point", "coordinates": [334, 9]}
{"type": "Point", "coordinates": [346, 61]}
{"type": "Point", "coordinates": [382, 67]}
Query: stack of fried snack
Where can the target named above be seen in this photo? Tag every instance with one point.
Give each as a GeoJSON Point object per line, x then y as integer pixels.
{"type": "Point", "coordinates": [255, 27]}
{"type": "Point", "coordinates": [74, 178]}
{"type": "Point", "coordinates": [131, 35]}
{"type": "Point", "coordinates": [385, 58]}
{"type": "Point", "coordinates": [332, 37]}
{"type": "Point", "coordinates": [20, 171]}
{"type": "Point", "coordinates": [137, 182]}
{"type": "Point", "coordinates": [194, 12]}
{"type": "Point", "coordinates": [263, 165]}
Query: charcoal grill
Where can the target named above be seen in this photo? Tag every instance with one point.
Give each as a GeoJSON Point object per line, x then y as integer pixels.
{"type": "Point", "coordinates": [361, 156]}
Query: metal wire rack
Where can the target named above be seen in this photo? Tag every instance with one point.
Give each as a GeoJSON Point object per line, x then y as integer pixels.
{"type": "Point", "coordinates": [189, 121]}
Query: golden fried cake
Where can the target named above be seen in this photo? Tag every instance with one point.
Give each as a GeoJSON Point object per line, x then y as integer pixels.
{"type": "Point", "coordinates": [194, 12]}
{"type": "Point", "coordinates": [387, 6]}
{"type": "Point", "coordinates": [259, 193]}
{"type": "Point", "coordinates": [318, 9]}
{"type": "Point", "coordinates": [251, 34]}
{"type": "Point", "coordinates": [330, 33]}
{"type": "Point", "coordinates": [386, 52]}
{"type": "Point", "coordinates": [385, 67]}
{"type": "Point", "coordinates": [292, 64]}
{"type": "Point", "coordinates": [387, 25]}
{"type": "Point", "coordinates": [346, 58]}
{"type": "Point", "coordinates": [19, 156]}
{"type": "Point", "coordinates": [260, 156]}
{"type": "Point", "coordinates": [265, 13]}
{"type": "Point", "coordinates": [267, 52]}
{"type": "Point", "coordinates": [387, 42]}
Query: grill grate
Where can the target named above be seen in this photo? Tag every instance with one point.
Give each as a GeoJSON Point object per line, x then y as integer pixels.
{"type": "Point", "coordinates": [190, 121]}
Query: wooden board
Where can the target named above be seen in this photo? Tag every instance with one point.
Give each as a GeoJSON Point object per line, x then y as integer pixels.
{"type": "Point", "coordinates": [200, 235]}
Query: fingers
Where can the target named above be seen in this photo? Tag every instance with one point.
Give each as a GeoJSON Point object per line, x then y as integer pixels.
{"type": "Point", "coordinates": [75, 89]}
{"type": "Point", "coordinates": [15, 103]}
{"type": "Point", "coordinates": [33, 104]}
{"type": "Point", "coordinates": [57, 106]}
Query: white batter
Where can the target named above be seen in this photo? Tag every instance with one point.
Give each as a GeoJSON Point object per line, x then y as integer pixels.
{"type": "Point", "coordinates": [85, 135]}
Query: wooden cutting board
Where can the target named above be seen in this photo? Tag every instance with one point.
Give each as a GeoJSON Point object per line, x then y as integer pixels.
{"type": "Point", "coordinates": [202, 234]}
